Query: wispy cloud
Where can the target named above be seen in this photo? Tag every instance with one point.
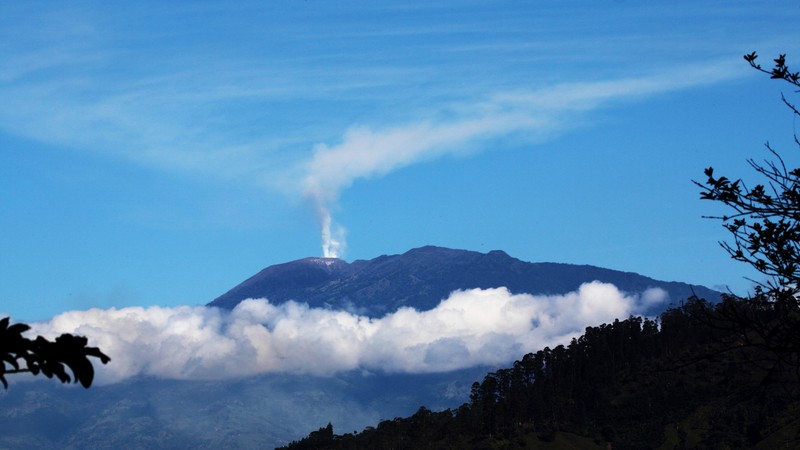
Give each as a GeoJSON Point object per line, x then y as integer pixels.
{"type": "Point", "coordinates": [470, 328]}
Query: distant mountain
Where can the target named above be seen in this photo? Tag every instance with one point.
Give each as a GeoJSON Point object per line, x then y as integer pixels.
{"type": "Point", "coordinates": [422, 277]}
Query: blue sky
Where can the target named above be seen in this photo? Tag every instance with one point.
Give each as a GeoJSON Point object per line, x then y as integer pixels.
{"type": "Point", "coordinates": [160, 153]}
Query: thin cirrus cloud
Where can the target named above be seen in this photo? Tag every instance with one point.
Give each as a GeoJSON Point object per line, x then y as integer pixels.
{"type": "Point", "coordinates": [469, 328]}
{"type": "Point", "coordinates": [179, 122]}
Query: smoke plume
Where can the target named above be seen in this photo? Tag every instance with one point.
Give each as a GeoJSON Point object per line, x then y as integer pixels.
{"type": "Point", "coordinates": [527, 115]}
{"type": "Point", "coordinates": [333, 243]}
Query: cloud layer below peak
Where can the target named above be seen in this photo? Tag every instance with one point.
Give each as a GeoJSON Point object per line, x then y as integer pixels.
{"type": "Point", "coordinates": [469, 328]}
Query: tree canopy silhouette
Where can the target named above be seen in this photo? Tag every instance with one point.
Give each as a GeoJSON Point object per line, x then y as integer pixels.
{"type": "Point", "coordinates": [49, 358]}
{"type": "Point", "coordinates": [765, 225]}
{"type": "Point", "coordinates": [765, 219]}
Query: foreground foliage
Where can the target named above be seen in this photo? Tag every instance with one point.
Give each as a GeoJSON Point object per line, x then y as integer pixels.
{"type": "Point", "coordinates": [42, 356]}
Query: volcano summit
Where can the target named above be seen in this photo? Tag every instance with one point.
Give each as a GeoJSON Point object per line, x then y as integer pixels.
{"type": "Point", "coordinates": [422, 277]}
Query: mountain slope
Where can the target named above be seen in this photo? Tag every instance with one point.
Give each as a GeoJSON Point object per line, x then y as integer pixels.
{"type": "Point", "coordinates": [422, 277]}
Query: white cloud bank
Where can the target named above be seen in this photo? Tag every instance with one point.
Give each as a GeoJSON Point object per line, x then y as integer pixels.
{"type": "Point", "coordinates": [469, 328]}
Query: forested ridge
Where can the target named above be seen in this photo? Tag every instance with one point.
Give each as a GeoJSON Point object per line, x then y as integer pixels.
{"type": "Point", "coordinates": [686, 380]}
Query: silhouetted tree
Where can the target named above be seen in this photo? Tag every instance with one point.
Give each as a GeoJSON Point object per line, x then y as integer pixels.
{"type": "Point", "coordinates": [765, 225]}
{"type": "Point", "coordinates": [765, 222]}
{"type": "Point", "coordinates": [42, 356]}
